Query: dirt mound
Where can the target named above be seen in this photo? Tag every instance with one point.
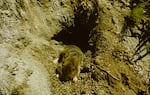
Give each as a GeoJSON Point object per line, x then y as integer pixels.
{"type": "Point", "coordinates": [34, 32]}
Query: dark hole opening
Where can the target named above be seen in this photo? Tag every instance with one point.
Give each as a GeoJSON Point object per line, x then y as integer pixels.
{"type": "Point", "coordinates": [78, 34]}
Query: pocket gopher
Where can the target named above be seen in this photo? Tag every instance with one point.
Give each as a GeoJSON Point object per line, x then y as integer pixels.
{"type": "Point", "coordinates": [69, 63]}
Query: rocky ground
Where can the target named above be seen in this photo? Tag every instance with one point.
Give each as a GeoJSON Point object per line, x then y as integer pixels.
{"type": "Point", "coordinates": [33, 32]}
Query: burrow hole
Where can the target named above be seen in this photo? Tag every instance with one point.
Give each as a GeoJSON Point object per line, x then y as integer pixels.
{"type": "Point", "coordinates": [78, 34]}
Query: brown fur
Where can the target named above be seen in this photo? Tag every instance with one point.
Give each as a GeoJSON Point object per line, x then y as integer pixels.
{"type": "Point", "coordinates": [69, 63]}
